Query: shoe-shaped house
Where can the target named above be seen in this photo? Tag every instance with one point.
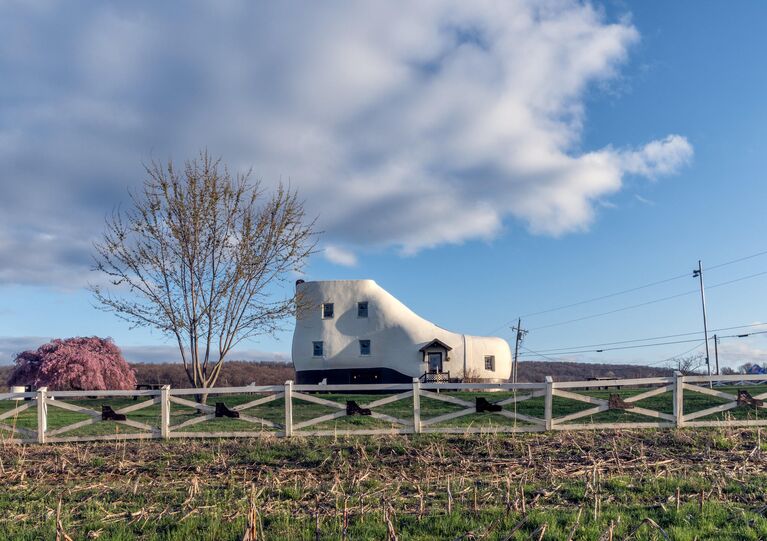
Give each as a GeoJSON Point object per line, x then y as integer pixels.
{"type": "Point", "coordinates": [354, 331]}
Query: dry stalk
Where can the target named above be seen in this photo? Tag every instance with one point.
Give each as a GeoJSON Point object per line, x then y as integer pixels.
{"type": "Point", "coordinates": [254, 519]}
{"type": "Point", "coordinates": [61, 535]}
{"type": "Point", "coordinates": [391, 533]}
{"type": "Point", "coordinates": [575, 526]}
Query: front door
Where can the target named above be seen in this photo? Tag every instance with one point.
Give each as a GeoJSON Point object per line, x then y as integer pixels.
{"type": "Point", "coordinates": [435, 363]}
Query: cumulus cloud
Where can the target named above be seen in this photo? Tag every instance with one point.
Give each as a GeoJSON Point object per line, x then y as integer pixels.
{"type": "Point", "coordinates": [403, 125]}
{"type": "Point", "coordinates": [340, 256]}
{"type": "Point", "coordinates": [744, 350]}
{"type": "Point", "coordinates": [657, 158]}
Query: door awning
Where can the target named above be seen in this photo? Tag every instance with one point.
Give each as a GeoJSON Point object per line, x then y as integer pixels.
{"type": "Point", "coordinates": [436, 344]}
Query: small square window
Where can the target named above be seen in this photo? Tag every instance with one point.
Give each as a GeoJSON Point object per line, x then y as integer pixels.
{"type": "Point", "coordinates": [318, 349]}
{"type": "Point", "coordinates": [490, 362]}
{"type": "Point", "coordinates": [364, 347]}
{"type": "Point", "coordinates": [362, 309]}
{"type": "Point", "coordinates": [327, 310]}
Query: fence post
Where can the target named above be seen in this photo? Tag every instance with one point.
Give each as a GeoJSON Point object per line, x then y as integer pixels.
{"type": "Point", "coordinates": [547, 405]}
{"type": "Point", "coordinates": [165, 411]}
{"type": "Point", "coordinates": [416, 405]}
{"type": "Point", "coordinates": [679, 399]}
{"type": "Point", "coordinates": [288, 408]}
{"type": "Point", "coordinates": [42, 414]}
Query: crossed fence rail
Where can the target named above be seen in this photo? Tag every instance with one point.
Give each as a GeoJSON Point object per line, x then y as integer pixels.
{"type": "Point", "coordinates": [497, 401]}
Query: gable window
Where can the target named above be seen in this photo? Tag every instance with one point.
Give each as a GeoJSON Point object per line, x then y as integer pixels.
{"type": "Point", "coordinates": [318, 349]}
{"type": "Point", "coordinates": [490, 362]}
{"type": "Point", "coordinates": [364, 347]}
{"type": "Point", "coordinates": [327, 310]}
{"type": "Point", "coordinates": [362, 309]}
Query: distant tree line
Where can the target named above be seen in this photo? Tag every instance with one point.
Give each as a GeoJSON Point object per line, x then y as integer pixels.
{"type": "Point", "coordinates": [235, 374]}
{"type": "Point", "coordinates": [239, 373]}
{"type": "Point", "coordinates": [536, 371]}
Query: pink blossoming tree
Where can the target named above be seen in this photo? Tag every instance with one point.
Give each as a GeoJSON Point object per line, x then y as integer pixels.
{"type": "Point", "coordinates": [81, 363]}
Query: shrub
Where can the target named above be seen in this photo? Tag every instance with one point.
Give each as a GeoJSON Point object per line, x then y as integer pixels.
{"type": "Point", "coordinates": [81, 363]}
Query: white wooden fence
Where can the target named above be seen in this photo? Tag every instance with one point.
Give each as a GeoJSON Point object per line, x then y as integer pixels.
{"type": "Point", "coordinates": [419, 421]}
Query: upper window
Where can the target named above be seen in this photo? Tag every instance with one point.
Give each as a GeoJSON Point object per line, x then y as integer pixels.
{"type": "Point", "coordinates": [362, 309]}
{"type": "Point", "coordinates": [318, 349]}
{"type": "Point", "coordinates": [364, 347]}
{"type": "Point", "coordinates": [490, 362]}
{"type": "Point", "coordinates": [327, 310]}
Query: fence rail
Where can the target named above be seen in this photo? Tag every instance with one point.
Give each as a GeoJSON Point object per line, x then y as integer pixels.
{"type": "Point", "coordinates": [292, 410]}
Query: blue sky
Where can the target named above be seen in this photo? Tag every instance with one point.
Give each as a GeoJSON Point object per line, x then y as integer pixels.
{"type": "Point", "coordinates": [481, 161]}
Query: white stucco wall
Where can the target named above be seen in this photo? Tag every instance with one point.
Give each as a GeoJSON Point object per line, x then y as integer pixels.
{"type": "Point", "coordinates": [396, 334]}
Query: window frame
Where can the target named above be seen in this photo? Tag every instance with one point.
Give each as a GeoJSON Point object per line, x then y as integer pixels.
{"type": "Point", "coordinates": [332, 310]}
{"type": "Point", "coordinates": [490, 358]}
{"type": "Point", "coordinates": [367, 309]}
{"type": "Point", "coordinates": [369, 347]}
{"type": "Point", "coordinates": [314, 348]}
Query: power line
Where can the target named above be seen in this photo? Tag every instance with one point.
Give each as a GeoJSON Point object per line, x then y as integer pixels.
{"type": "Point", "coordinates": [676, 356]}
{"type": "Point", "coordinates": [654, 344]}
{"type": "Point", "coordinates": [594, 299]}
{"type": "Point", "coordinates": [592, 316]}
{"type": "Point", "coordinates": [738, 260]}
{"type": "Point", "coordinates": [560, 359]}
{"type": "Point", "coordinates": [720, 284]}
{"type": "Point", "coordinates": [540, 354]}
{"type": "Point", "coordinates": [635, 346]}
{"type": "Point", "coordinates": [629, 290]}
{"type": "Point", "coordinates": [556, 349]}
{"type": "Point", "coordinates": [662, 299]}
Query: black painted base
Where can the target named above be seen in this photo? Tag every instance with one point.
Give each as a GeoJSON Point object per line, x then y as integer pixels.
{"type": "Point", "coordinates": [354, 376]}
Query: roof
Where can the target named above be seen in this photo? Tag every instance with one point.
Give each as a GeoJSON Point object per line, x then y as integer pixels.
{"type": "Point", "coordinates": [436, 343]}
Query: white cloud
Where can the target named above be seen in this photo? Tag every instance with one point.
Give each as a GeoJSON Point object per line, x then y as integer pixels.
{"type": "Point", "coordinates": [340, 256]}
{"type": "Point", "coordinates": [404, 125]}
{"type": "Point", "coordinates": [644, 200]}
{"type": "Point", "coordinates": [734, 352]}
{"type": "Point", "coordinates": [658, 158]}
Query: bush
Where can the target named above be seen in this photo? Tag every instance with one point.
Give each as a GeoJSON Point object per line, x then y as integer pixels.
{"type": "Point", "coordinates": [81, 363]}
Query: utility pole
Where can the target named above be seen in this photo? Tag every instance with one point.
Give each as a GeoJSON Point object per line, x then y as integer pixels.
{"type": "Point", "coordinates": [716, 353]}
{"type": "Point", "coordinates": [698, 273]}
{"type": "Point", "coordinates": [520, 335]}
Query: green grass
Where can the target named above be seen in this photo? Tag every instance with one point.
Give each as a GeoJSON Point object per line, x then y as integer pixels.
{"type": "Point", "coordinates": [302, 411]}
{"type": "Point", "coordinates": [585, 481]}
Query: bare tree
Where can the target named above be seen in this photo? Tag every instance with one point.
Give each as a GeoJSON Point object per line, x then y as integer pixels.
{"type": "Point", "coordinates": [202, 256]}
{"type": "Point", "coordinates": [691, 364]}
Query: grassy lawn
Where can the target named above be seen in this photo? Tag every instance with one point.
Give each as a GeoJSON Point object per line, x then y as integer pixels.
{"type": "Point", "coordinates": [402, 409]}
{"type": "Point", "coordinates": [683, 484]}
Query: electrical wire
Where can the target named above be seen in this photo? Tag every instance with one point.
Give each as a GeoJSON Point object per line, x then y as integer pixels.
{"type": "Point", "coordinates": [541, 354]}
{"type": "Point", "coordinates": [560, 359]}
{"type": "Point", "coordinates": [593, 299]}
{"type": "Point", "coordinates": [646, 303]}
{"type": "Point", "coordinates": [630, 307]}
{"type": "Point", "coordinates": [737, 260]}
{"type": "Point", "coordinates": [636, 346]}
{"type": "Point", "coordinates": [625, 291]}
{"type": "Point", "coordinates": [574, 352]}
{"type": "Point", "coordinates": [555, 350]}
{"type": "Point", "coordinates": [676, 356]}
